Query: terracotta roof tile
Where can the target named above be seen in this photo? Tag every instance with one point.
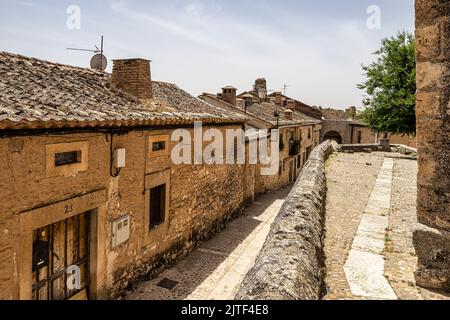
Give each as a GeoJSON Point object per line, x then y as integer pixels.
{"type": "Point", "coordinates": [41, 94]}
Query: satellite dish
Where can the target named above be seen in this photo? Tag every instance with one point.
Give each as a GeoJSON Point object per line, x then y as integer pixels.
{"type": "Point", "coordinates": [99, 62]}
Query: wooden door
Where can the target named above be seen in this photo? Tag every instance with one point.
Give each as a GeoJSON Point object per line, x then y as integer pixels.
{"type": "Point", "coordinates": [291, 171]}
{"type": "Point", "coordinates": [61, 259]}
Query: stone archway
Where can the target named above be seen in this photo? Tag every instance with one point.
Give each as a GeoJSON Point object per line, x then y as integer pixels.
{"type": "Point", "coordinates": [334, 136]}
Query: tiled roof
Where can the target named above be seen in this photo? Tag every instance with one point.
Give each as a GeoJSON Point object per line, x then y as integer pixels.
{"type": "Point", "coordinates": [41, 94]}
{"type": "Point", "coordinates": [266, 111]}
{"type": "Point", "coordinates": [310, 110]}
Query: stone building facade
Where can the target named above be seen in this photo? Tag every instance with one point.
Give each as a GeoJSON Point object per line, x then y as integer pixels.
{"type": "Point", "coordinates": [432, 237]}
{"type": "Point", "coordinates": [89, 189]}
{"type": "Point", "coordinates": [299, 133]}
{"type": "Point", "coordinates": [343, 127]}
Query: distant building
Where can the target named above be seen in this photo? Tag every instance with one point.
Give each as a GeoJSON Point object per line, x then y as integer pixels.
{"type": "Point", "coordinates": [344, 127]}
{"type": "Point", "coordinates": [88, 183]}
{"type": "Point", "coordinates": [299, 133]}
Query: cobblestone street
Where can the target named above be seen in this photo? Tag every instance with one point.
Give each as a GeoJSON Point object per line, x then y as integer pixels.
{"type": "Point", "coordinates": [371, 214]}
{"type": "Point", "coordinates": [215, 270]}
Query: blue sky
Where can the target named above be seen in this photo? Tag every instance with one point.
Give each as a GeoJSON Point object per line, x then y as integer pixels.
{"type": "Point", "coordinates": [315, 47]}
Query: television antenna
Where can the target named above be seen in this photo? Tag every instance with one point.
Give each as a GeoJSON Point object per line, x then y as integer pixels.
{"type": "Point", "coordinates": [284, 89]}
{"type": "Point", "coordinates": [98, 61]}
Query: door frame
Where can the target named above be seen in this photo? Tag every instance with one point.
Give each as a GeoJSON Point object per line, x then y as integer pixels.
{"type": "Point", "coordinates": [30, 220]}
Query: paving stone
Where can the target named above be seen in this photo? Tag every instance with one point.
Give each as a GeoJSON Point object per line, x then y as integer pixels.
{"type": "Point", "coordinates": [215, 270]}
{"type": "Point", "coordinates": [353, 217]}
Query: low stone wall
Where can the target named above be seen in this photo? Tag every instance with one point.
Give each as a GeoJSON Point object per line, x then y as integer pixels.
{"type": "Point", "coordinates": [360, 147]}
{"type": "Point", "coordinates": [290, 264]}
{"type": "Point", "coordinates": [400, 148]}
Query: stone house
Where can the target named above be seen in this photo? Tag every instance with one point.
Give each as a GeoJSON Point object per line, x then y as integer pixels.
{"type": "Point", "coordinates": [343, 127]}
{"type": "Point", "coordinates": [91, 200]}
{"type": "Point", "coordinates": [299, 133]}
{"type": "Point", "coordinates": [280, 99]}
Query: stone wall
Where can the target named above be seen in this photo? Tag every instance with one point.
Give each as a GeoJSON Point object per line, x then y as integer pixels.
{"type": "Point", "coordinates": [290, 264]}
{"type": "Point", "coordinates": [432, 238]}
{"type": "Point", "coordinates": [373, 147]}
{"type": "Point", "coordinates": [370, 147]}
{"type": "Point", "coordinates": [203, 198]}
{"type": "Point", "coordinates": [407, 140]}
{"type": "Point", "coordinates": [348, 131]}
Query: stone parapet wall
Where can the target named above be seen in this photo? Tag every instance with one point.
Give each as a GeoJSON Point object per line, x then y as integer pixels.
{"type": "Point", "coordinates": [290, 264]}
{"type": "Point", "coordinates": [359, 147]}
{"type": "Point", "coordinates": [399, 148]}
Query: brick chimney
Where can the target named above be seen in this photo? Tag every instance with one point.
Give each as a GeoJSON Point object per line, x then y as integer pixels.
{"type": "Point", "coordinates": [133, 77]}
{"type": "Point", "coordinates": [229, 95]}
{"type": "Point", "coordinates": [288, 113]}
{"type": "Point", "coordinates": [278, 100]}
{"type": "Point", "coordinates": [290, 104]}
{"type": "Point", "coordinates": [260, 88]}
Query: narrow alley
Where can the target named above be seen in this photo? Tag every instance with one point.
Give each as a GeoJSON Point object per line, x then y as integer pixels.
{"type": "Point", "coordinates": [215, 270]}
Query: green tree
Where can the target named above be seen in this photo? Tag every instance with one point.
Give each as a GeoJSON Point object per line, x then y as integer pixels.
{"type": "Point", "coordinates": [390, 87]}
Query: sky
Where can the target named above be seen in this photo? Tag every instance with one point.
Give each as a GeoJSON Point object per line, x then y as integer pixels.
{"type": "Point", "coordinates": [316, 48]}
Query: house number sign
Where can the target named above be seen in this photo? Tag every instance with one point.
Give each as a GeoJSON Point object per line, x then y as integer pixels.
{"type": "Point", "coordinates": [68, 209]}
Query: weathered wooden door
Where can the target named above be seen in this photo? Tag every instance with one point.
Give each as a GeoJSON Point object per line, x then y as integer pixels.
{"type": "Point", "coordinates": [291, 171]}
{"type": "Point", "coordinates": [61, 259]}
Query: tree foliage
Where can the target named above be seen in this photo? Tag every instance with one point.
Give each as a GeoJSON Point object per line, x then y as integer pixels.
{"type": "Point", "coordinates": [390, 87]}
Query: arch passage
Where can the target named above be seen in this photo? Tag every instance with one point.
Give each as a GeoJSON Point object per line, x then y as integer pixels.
{"type": "Point", "coordinates": [333, 135]}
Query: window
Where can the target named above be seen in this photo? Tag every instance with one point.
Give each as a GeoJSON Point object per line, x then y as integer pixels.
{"type": "Point", "coordinates": [157, 205]}
{"type": "Point", "coordinates": [309, 133]}
{"type": "Point", "coordinates": [281, 142]}
{"type": "Point", "coordinates": [64, 158]}
{"type": "Point", "coordinates": [159, 145]}
{"type": "Point", "coordinates": [359, 137]}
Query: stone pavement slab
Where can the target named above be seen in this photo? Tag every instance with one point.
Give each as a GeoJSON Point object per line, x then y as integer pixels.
{"type": "Point", "coordinates": [369, 208]}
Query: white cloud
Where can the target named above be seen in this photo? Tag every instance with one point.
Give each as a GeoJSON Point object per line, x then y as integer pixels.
{"type": "Point", "coordinates": [180, 30]}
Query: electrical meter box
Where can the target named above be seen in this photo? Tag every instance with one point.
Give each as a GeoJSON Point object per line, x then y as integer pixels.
{"type": "Point", "coordinates": [120, 231]}
{"type": "Point", "coordinates": [119, 158]}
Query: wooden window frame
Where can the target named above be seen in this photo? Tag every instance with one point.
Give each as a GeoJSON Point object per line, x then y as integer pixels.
{"type": "Point", "coordinates": [160, 217]}
{"type": "Point", "coordinates": [70, 169]}
{"type": "Point", "coordinates": [155, 139]}
{"type": "Point", "coordinates": [153, 235]}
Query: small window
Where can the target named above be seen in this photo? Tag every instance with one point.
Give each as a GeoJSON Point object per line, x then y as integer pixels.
{"type": "Point", "coordinates": [281, 142]}
{"type": "Point", "coordinates": [64, 158]}
{"type": "Point", "coordinates": [158, 145]}
{"type": "Point", "coordinates": [157, 206]}
{"type": "Point", "coordinates": [309, 133]}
